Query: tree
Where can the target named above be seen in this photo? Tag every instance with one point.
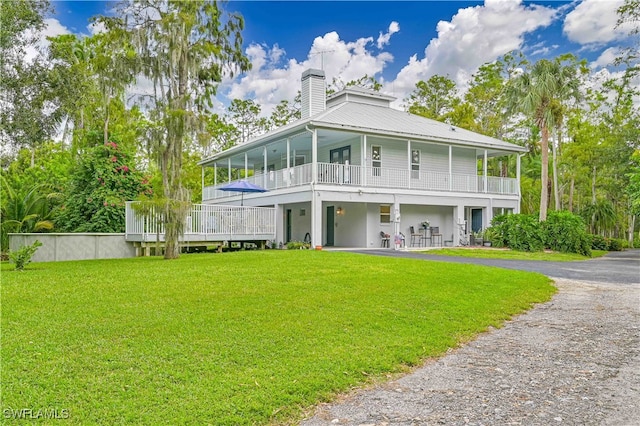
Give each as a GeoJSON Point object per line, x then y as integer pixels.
{"type": "Point", "coordinates": [104, 179]}
{"type": "Point", "coordinates": [184, 49]}
{"type": "Point", "coordinates": [629, 14]}
{"type": "Point", "coordinates": [285, 112]}
{"type": "Point", "coordinates": [245, 117]}
{"type": "Point", "coordinates": [28, 116]}
{"type": "Point", "coordinates": [434, 98]}
{"type": "Point", "coordinates": [536, 93]}
{"type": "Point", "coordinates": [25, 209]}
{"type": "Point", "coordinates": [223, 134]}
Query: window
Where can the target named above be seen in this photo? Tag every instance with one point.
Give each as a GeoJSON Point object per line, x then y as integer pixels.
{"type": "Point", "coordinates": [376, 160]}
{"type": "Point", "coordinates": [415, 164]}
{"type": "Point", "coordinates": [385, 214]}
{"type": "Point", "coordinates": [299, 160]}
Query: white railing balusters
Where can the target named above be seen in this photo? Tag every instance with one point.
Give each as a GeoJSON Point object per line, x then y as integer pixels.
{"type": "Point", "coordinates": [380, 177]}
{"type": "Point", "coordinates": [204, 222]}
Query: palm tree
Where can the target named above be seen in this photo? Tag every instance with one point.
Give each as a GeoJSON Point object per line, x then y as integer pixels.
{"type": "Point", "coordinates": [536, 93]}
{"type": "Point", "coordinates": [25, 211]}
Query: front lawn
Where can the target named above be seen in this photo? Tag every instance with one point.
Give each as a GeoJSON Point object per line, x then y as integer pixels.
{"type": "Point", "coordinates": [236, 338]}
{"type": "Point", "coordinates": [493, 253]}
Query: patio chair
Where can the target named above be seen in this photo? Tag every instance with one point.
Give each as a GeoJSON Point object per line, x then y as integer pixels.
{"type": "Point", "coordinates": [384, 239]}
{"type": "Point", "coordinates": [436, 236]}
{"type": "Point", "coordinates": [416, 237]}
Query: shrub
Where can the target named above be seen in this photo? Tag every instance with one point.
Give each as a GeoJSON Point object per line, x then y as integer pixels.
{"type": "Point", "coordinates": [566, 233]}
{"type": "Point", "coordinates": [518, 232]}
{"type": "Point", "coordinates": [598, 242]}
{"type": "Point", "coordinates": [491, 234]}
{"type": "Point", "coordinates": [22, 256]}
{"type": "Point", "coordinates": [615, 244]}
{"type": "Point", "coordinates": [298, 245]}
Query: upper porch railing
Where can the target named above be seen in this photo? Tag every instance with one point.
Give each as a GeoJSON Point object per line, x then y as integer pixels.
{"type": "Point", "coordinates": [204, 222]}
{"type": "Point", "coordinates": [377, 177]}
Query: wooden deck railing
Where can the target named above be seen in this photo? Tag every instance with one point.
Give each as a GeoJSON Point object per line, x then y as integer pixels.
{"type": "Point", "coordinates": [204, 223]}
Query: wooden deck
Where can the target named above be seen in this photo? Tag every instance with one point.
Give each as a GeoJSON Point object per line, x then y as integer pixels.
{"type": "Point", "coordinates": [205, 225]}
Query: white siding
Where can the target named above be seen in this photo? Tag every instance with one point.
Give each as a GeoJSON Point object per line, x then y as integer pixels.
{"type": "Point", "coordinates": [434, 158]}
{"type": "Point", "coordinates": [464, 161]}
{"type": "Point", "coordinates": [393, 152]}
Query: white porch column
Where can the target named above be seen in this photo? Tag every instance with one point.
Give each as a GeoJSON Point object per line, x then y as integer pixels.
{"type": "Point", "coordinates": [202, 178]}
{"type": "Point", "coordinates": [316, 201]}
{"type": "Point", "coordinates": [314, 156]}
{"type": "Point", "coordinates": [487, 215]}
{"type": "Point", "coordinates": [484, 167]}
{"type": "Point", "coordinates": [450, 168]}
{"type": "Point", "coordinates": [246, 165]}
{"type": "Point", "coordinates": [409, 164]}
{"type": "Point", "coordinates": [458, 223]}
{"type": "Point", "coordinates": [316, 219]}
{"type": "Point", "coordinates": [215, 174]}
{"type": "Point", "coordinates": [229, 169]}
{"type": "Point", "coordinates": [264, 174]}
{"type": "Point", "coordinates": [279, 223]}
{"type": "Point", "coordinates": [396, 224]}
{"type": "Point", "coordinates": [518, 157]}
{"type": "Point", "coordinates": [289, 162]}
{"type": "Point", "coordinates": [363, 159]}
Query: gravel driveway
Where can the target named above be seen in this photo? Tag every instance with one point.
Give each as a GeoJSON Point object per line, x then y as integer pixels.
{"type": "Point", "coordinates": [572, 361]}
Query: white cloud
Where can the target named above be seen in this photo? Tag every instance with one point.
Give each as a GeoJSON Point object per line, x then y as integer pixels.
{"type": "Point", "coordinates": [594, 21]}
{"type": "Point", "coordinates": [606, 58]}
{"type": "Point", "coordinates": [383, 39]}
{"type": "Point", "coordinates": [96, 28]}
{"type": "Point", "coordinates": [268, 82]}
{"type": "Point", "coordinates": [52, 28]}
{"type": "Point", "coordinates": [474, 36]}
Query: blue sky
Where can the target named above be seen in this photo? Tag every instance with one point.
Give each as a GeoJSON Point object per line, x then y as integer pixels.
{"type": "Point", "coordinates": [398, 42]}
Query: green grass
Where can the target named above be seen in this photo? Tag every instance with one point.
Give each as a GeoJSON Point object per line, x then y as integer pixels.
{"type": "Point", "coordinates": [492, 253]}
{"type": "Point", "coordinates": [237, 338]}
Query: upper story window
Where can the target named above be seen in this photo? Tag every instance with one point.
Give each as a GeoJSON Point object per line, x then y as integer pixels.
{"type": "Point", "coordinates": [415, 163]}
{"type": "Point", "coordinates": [376, 159]}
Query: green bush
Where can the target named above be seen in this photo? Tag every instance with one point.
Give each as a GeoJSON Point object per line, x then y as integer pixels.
{"type": "Point", "coordinates": [598, 242]}
{"type": "Point", "coordinates": [518, 232]}
{"type": "Point", "coordinates": [297, 245]}
{"type": "Point", "coordinates": [615, 244]}
{"type": "Point", "coordinates": [492, 235]}
{"type": "Point", "coordinates": [566, 233]}
{"type": "Point", "coordinates": [22, 256]}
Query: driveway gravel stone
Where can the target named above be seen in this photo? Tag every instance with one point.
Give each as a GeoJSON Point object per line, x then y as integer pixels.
{"type": "Point", "coordinates": [574, 360]}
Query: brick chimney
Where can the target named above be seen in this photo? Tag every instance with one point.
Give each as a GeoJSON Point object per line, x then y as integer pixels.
{"type": "Point", "coordinates": [313, 94]}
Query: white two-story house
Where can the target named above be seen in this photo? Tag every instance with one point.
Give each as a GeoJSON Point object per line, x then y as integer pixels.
{"type": "Point", "coordinates": [353, 167]}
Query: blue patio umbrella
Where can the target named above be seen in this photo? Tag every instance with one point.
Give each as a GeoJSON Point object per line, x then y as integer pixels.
{"type": "Point", "coordinates": [242, 186]}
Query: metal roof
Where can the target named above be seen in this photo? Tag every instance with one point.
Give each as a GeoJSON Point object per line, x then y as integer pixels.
{"type": "Point", "coordinates": [372, 118]}
{"type": "Point", "coordinates": [367, 118]}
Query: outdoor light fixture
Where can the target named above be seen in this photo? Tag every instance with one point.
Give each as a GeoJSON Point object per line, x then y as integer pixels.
{"type": "Point", "coordinates": [340, 211]}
